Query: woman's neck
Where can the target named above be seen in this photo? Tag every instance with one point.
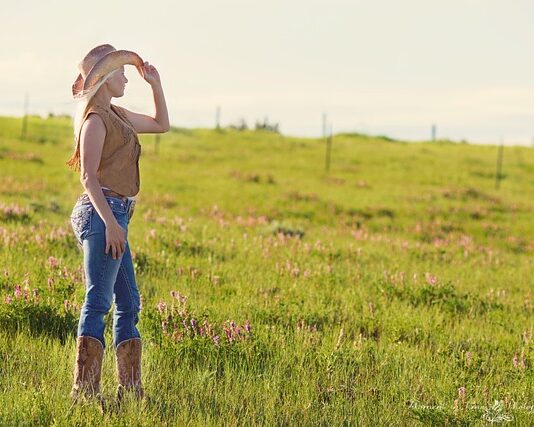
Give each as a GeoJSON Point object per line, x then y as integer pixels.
{"type": "Point", "coordinates": [103, 97]}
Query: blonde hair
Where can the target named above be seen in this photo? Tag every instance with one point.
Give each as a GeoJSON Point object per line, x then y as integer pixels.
{"type": "Point", "coordinates": [77, 121]}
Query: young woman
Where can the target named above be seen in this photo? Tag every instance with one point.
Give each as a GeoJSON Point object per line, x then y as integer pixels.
{"type": "Point", "coordinates": [107, 156]}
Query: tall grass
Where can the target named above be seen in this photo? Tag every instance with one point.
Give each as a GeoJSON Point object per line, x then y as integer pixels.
{"type": "Point", "coordinates": [396, 290]}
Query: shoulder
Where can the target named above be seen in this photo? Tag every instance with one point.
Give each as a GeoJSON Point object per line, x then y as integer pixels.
{"type": "Point", "coordinates": [126, 114]}
{"type": "Point", "coordinates": [120, 110]}
{"type": "Point", "coordinates": [123, 112]}
{"type": "Point", "coordinates": [94, 124]}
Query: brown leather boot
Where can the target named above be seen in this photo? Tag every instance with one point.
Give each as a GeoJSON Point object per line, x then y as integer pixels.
{"type": "Point", "coordinates": [89, 355]}
{"type": "Point", "coordinates": [128, 357]}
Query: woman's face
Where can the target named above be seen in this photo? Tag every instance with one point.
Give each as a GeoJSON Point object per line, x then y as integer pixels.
{"type": "Point", "coordinates": [117, 82]}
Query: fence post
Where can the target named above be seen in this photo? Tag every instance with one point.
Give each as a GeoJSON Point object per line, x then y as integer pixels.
{"type": "Point", "coordinates": [156, 146]}
{"type": "Point", "coordinates": [328, 150]}
{"type": "Point", "coordinates": [24, 129]}
{"type": "Point", "coordinates": [498, 175]}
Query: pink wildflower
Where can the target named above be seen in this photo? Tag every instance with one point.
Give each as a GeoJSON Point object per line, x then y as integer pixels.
{"type": "Point", "coordinates": [519, 362]}
{"type": "Point", "coordinates": [431, 279]}
{"type": "Point", "coordinates": [52, 262]}
{"type": "Point", "coordinates": [161, 306]}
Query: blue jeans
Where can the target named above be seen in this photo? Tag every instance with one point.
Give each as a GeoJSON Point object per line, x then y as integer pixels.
{"type": "Point", "coordinates": [107, 280]}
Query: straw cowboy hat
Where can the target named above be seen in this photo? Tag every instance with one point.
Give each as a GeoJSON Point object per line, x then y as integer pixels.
{"type": "Point", "coordinates": [100, 61]}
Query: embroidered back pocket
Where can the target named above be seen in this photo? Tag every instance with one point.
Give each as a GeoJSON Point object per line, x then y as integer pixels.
{"type": "Point", "coordinates": [131, 209]}
{"type": "Point", "coordinates": [81, 220]}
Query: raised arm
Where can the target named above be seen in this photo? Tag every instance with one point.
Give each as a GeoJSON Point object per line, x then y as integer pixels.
{"type": "Point", "coordinates": [160, 122]}
{"type": "Point", "coordinates": [92, 137]}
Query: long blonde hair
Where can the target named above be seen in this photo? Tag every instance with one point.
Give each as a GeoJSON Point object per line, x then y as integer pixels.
{"type": "Point", "coordinates": [77, 121]}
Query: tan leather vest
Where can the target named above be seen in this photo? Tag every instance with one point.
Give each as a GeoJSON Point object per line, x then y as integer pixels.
{"type": "Point", "coordinates": [119, 163]}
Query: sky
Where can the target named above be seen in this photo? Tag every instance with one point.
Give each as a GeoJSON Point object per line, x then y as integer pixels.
{"type": "Point", "coordinates": [384, 67]}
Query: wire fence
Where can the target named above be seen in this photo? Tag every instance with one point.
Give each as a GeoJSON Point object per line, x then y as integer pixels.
{"type": "Point", "coordinates": [315, 127]}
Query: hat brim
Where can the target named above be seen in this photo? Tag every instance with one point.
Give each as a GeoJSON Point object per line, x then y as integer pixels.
{"type": "Point", "coordinates": [107, 64]}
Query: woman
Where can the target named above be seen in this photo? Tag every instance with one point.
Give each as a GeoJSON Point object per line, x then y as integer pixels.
{"type": "Point", "coordinates": [107, 156]}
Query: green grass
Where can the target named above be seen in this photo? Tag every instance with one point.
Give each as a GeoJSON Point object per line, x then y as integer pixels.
{"type": "Point", "coordinates": [374, 292]}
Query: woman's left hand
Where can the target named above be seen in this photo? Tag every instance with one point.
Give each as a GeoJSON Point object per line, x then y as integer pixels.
{"type": "Point", "coordinates": [149, 73]}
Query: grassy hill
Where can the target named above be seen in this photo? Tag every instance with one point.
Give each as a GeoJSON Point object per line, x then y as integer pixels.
{"type": "Point", "coordinates": [395, 289]}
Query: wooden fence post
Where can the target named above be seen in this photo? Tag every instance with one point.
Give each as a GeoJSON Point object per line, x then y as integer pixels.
{"type": "Point", "coordinates": [24, 130]}
{"type": "Point", "coordinates": [328, 150]}
{"type": "Point", "coordinates": [156, 146]}
{"type": "Point", "coordinates": [498, 174]}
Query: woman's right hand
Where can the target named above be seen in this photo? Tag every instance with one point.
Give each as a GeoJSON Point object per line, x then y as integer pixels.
{"type": "Point", "coordinates": [115, 239]}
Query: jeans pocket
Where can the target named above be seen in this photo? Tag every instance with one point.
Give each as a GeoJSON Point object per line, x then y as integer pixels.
{"type": "Point", "coordinates": [131, 210]}
{"type": "Point", "coordinates": [81, 220]}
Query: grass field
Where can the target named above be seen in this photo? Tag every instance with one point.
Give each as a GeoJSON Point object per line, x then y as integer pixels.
{"type": "Point", "coordinates": [394, 290]}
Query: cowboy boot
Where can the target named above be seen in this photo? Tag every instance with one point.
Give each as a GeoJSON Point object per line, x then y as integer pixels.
{"type": "Point", "coordinates": [128, 357]}
{"type": "Point", "coordinates": [89, 355]}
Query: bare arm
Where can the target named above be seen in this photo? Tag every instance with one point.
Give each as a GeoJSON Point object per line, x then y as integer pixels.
{"type": "Point", "coordinates": [146, 124]}
{"type": "Point", "coordinates": [92, 137]}
{"type": "Point", "coordinates": [160, 122]}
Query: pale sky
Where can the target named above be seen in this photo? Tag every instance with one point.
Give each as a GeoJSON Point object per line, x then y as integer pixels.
{"type": "Point", "coordinates": [381, 67]}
